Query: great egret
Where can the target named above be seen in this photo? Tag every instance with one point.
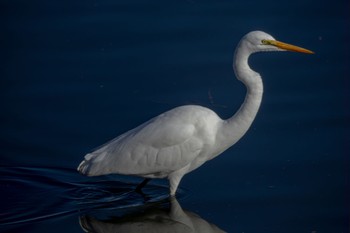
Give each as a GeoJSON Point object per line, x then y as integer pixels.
{"type": "Point", "coordinates": [182, 139]}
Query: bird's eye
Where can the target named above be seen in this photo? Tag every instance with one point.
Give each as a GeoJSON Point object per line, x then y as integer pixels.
{"type": "Point", "coordinates": [266, 42]}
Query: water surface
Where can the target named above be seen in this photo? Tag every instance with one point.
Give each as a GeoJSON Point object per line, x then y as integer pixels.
{"type": "Point", "coordinates": [75, 74]}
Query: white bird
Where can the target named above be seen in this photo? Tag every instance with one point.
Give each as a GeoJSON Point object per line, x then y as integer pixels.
{"type": "Point", "coordinates": [182, 139]}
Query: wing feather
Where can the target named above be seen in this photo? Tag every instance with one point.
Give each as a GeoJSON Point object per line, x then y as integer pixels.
{"type": "Point", "coordinates": [163, 144]}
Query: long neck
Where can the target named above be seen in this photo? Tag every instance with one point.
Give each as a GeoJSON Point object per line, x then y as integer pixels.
{"type": "Point", "coordinates": [236, 126]}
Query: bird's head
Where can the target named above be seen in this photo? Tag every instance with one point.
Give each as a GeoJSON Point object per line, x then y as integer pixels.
{"type": "Point", "coordinates": [258, 41]}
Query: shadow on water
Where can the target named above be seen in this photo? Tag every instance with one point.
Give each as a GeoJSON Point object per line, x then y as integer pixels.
{"type": "Point", "coordinates": [104, 204]}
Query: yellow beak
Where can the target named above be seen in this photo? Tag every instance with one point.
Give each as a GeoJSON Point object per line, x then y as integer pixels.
{"type": "Point", "coordinates": [288, 47]}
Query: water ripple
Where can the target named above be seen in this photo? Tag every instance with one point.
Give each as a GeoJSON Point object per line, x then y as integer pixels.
{"type": "Point", "coordinates": [31, 194]}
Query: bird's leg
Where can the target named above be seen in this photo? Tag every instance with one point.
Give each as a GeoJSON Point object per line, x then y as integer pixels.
{"type": "Point", "coordinates": [141, 185]}
{"type": "Point", "coordinates": [174, 180]}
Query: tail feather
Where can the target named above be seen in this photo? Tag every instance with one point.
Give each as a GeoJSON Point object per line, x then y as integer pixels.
{"type": "Point", "coordinates": [83, 167]}
{"type": "Point", "coordinates": [92, 165]}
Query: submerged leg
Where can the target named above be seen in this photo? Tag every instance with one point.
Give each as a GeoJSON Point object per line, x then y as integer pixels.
{"type": "Point", "coordinates": [141, 185]}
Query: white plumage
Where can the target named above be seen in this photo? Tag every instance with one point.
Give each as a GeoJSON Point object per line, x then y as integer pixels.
{"type": "Point", "coordinates": [182, 139]}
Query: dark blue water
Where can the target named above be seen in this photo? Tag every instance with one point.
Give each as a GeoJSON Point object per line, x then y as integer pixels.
{"type": "Point", "coordinates": [75, 74]}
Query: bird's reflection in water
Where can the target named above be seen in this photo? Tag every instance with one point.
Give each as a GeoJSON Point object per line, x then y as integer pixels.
{"type": "Point", "coordinates": [154, 219]}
